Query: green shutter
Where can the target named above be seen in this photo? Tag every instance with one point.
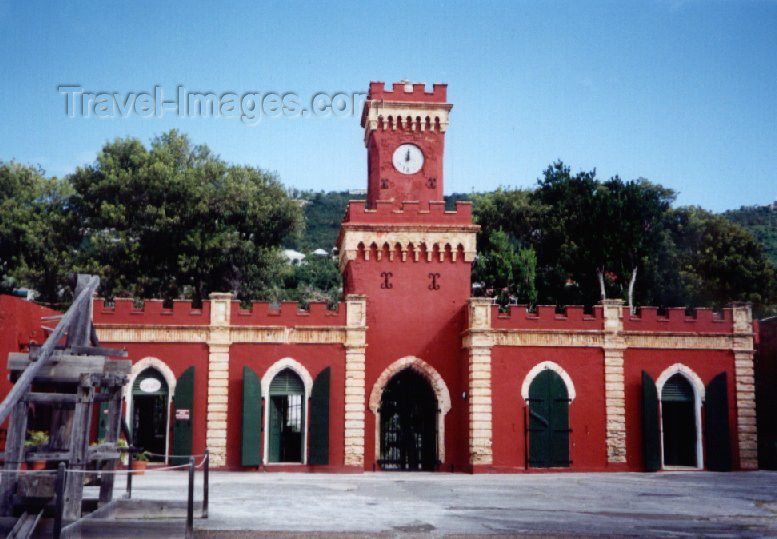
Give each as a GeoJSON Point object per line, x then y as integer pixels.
{"type": "Point", "coordinates": [252, 418]}
{"type": "Point", "coordinates": [319, 419]}
{"type": "Point", "coordinates": [275, 427]}
{"type": "Point", "coordinates": [102, 420]}
{"type": "Point", "coordinates": [183, 417]}
{"type": "Point", "coordinates": [716, 423]}
{"type": "Point", "coordinates": [548, 421]}
{"type": "Point", "coordinates": [651, 443]}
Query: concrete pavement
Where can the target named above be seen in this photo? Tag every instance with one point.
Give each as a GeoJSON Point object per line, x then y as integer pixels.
{"type": "Point", "coordinates": [562, 504]}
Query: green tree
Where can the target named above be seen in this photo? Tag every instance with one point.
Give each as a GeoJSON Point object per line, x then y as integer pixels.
{"type": "Point", "coordinates": [173, 220]}
{"type": "Point", "coordinates": [38, 236]}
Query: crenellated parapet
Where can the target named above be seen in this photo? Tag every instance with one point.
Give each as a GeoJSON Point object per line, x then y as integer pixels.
{"type": "Point", "coordinates": [678, 320]}
{"type": "Point", "coordinates": [287, 313]}
{"type": "Point", "coordinates": [406, 106]}
{"type": "Point", "coordinates": [412, 233]}
{"type": "Point", "coordinates": [547, 317]}
{"type": "Point", "coordinates": [151, 311]}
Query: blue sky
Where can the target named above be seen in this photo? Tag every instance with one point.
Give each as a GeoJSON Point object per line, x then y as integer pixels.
{"type": "Point", "coordinates": [683, 93]}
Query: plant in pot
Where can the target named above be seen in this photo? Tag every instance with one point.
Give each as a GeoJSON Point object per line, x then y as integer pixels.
{"type": "Point", "coordinates": [140, 462]}
{"type": "Point", "coordinates": [36, 441]}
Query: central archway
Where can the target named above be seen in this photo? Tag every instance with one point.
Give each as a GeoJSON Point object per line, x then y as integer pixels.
{"type": "Point", "coordinates": [408, 423]}
{"type": "Point", "coordinates": [433, 381]}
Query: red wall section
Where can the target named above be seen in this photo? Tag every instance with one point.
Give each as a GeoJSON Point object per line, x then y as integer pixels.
{"type": "Point", "coordinates": [123, 311]}
{"type": "Point", "coordinates": [705, 363]}
{"type": "Point", "coordinates": [585, 366]}
{"type": "Point", "coordinates": [414, 213]}
{"type": "Point", "coordinates": [546, 317]}
{"type": "Point", "coordinates": [419, 94]}
{"type": "Point", "coordinates": [314, 358]}
{"type": "Point", "coordinates": [289, 314]}
{"type": "Point", "coordinates": [704, 321]}
{"type": "Point", "coordinates": [179, 357]}
{"type": "Point", "coordinates": [20, 325]}
{"type": "Point", "coordinates": [410, 319]}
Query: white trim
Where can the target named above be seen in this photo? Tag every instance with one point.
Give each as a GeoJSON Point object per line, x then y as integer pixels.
{"type": "Point", "coordinates": [548, 365]}
{"type": "Point", "coordinates": [698, 397]}
{"type": "Point", "coordinates": [307, 380]}
{"type": "Point", "coordinates": [170, 379]}
{"type": "Point", "coordinates": [438, 386]}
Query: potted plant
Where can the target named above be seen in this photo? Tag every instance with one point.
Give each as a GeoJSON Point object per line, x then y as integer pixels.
{"type": "Point", "coordinates": [140, 462]}
{"type": "Point", "coordinates": [36, 440]}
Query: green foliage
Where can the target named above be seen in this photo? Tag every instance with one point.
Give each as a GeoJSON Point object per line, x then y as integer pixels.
{"type": "Point", "coordinates": [36, 438]}
{"type": "Point", "coordinates": [507, 271]}
{"type": "Point", "coordinates": [38, 232]}
{"type": "Point", "coordinates": [317, 278]}
{"type": "Point", "coordinates": [323, 214]}
{"type": "Point", "coordinates": [761, 222]}
{"type": "Point", "coordinates": [172, 220]}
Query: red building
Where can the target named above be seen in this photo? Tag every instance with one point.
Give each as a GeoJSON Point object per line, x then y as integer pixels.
{"type": "Point", "coordinates": [410, 372]}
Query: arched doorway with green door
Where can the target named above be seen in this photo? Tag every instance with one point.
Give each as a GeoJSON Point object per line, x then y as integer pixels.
{"type": "Point", "coordinates": [149, 412]}
{"type": "Point", "coordinates": [286, 421]}
{"type": "Point", "coordinates": [679, 423]}
{"type": "Point", "coordinates": [548, 391]}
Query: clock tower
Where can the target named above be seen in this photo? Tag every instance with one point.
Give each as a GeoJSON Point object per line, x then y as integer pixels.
{"type": "Point", "coordinates": [410, 258]}
{"type": "Point", "coordinates": [404, 132]}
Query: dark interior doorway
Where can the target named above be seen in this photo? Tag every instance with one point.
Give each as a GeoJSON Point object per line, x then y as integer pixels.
{"type": "Point", "coordinates": [408, 423]}
{"type": "Point", "coordinates": [287, 414]}
{"type": "Point", "coordinates": [678, 422]}
{"type": "Point", "coordinates": [150, 398]}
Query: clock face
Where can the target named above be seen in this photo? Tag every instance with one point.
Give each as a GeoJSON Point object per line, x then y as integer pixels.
{"type": "Point", "coordinates": [408, 159]}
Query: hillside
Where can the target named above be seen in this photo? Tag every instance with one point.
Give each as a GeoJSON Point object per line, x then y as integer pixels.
{"type": "Point", "coordinates": [761, 221]}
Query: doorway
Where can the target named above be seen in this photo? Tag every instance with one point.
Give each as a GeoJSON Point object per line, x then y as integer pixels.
{"type": "Point", "coordinates": [678, 422]}
{"type": "Point", "coordinates": [286, 418]}
{"type": "Point", "coordinates": [408, 423]}
{"type": "Point", "coordinates": [548, 423]}
{"type": "Point", "coordinates": [150, 400]}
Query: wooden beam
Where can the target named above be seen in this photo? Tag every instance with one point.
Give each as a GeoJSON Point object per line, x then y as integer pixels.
{"type": "Point", "coordinates": [83, 300]}
{"type": "Point", "coordinates": [79, 439]}
{"type": "Point", "coordinates": [112, 425]}
{"type": "Point", "coordinates": [14, 455]}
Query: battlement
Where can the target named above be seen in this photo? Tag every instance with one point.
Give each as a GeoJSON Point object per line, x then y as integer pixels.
{"type": "Point", "coordinates": [409, 212]}
{"type": "Point", "coordinates": [546, 317]}
{"type": "Point", "coordinates": [411, 92]}
{"type": "Point", "coordinates": [124, 311]}
{"type": "Point", "coordinates": [287, 313]}
{"type": "Point", "coordinates": [676, 319]}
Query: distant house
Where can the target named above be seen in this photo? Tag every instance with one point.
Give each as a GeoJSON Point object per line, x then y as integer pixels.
{"type": "Point", "coordinates": [293, 257]}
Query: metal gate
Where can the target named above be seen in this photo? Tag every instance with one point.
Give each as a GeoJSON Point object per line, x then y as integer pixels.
{"type": "Point", "coordinates": [408, 424]}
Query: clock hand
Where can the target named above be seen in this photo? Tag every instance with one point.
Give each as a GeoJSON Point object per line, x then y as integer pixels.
{"type": "Point", "coordinates": [407, 156]}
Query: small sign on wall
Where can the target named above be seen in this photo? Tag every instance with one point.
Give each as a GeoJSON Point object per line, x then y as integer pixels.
{"type": "Point", "coordinates": [183, 414]}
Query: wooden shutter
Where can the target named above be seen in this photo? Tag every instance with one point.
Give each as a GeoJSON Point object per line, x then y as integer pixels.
{"type": "Point", "coordinates": [651, 443]}
{"type": "Point", "coordinates": [319, 419]}
{"type": "Point", "coordinates": [252, 418]}
{"type": "Point", "coordinates": [716, 425]}
{"type": "Point", "coordinates": [183, 417]}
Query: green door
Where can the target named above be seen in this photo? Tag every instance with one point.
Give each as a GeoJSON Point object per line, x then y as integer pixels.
{"type": "Point", "coordinates": [319, 419]}
{"type": "Point", "coordinates": [252, 413]}
{"type": "Point", "coordinates": [716, 423]}
{"type": "Point", "coordinates": [183, 417]}
{"type": "Point", "coordinates": [548, 421]}
{"type": "Point", "coordinates": [651, 437]}
{"type": "Point", "coordinates": [678, 422]}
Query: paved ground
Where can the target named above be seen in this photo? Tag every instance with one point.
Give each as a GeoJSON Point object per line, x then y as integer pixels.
{"type": "Point", "coordinates": [300, 505]}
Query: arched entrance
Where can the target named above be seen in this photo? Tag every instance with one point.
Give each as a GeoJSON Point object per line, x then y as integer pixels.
{"type": "Point", "coordinates": [548, 421]}
{"type": "Point", "coordinates": [678, 422]}
{"type": "Point", "coordinates": [286, 418]}
{"type": "Point", "coordinates": [150, 398]}
{"type": "Point", "coordinates": [408, 423]}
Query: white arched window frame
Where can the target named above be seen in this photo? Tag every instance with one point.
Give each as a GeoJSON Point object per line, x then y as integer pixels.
{"type": "Point", "coordinates": [167, 373]}
{"type": "Point", "coordinates": [545, 366]}
{"type": "Point", "coordinates": [307, 381]}
{"type": "Point", "coordinates": [698, 399]}
{"type": "Point", "coordinates": [438, 386]}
